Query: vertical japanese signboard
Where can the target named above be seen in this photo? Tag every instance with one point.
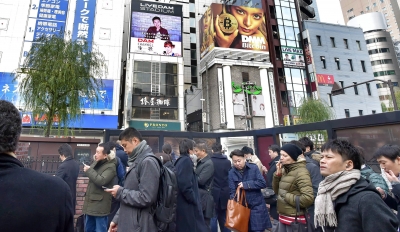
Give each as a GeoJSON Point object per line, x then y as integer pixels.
{"type": "Point", "coordinates": [46, 18]}
{"type": "Point", "coordinates": [84, 21]}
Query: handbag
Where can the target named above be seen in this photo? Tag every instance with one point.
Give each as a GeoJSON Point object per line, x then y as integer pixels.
{"type": "Point", "coordinates": [269, 195]}
{"type": "Point", "coordinates": [237, 214]}
{"type": "Point", "coordinates": [297, 226]}
{"type": "Point", "coordinates": [207, 203]}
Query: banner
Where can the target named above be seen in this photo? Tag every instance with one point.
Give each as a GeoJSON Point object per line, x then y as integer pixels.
{"type": "Point", "coordinates": [325, 79]}
{"type": "Point", "coordinates": [156, 28]}
{"type": "Point", "coordinates": [257, 103]}
{"type": "Point", "coordinates": [239, 104]}
{"type": "Point", "coordinates": [9, 89]}
{"type": "Point", "coordinates": [84, 21]}
{"type": "Point", "coordinates": [293, 57]}
{"type": "Point", "coordinates": [233, 26]}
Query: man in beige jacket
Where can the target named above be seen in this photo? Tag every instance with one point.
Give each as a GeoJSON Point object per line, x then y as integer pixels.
{"type": "Point", "coordinates": [251, 158]}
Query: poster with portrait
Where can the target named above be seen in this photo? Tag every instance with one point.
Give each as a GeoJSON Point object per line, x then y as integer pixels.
{"type": "Point", "coordinates": [293, 57]}
{"type": "Point", "coordinates": [239, 104]}
{"type": "Point", "coordinates": [240, 25]}
{"type": "Point", "coordinates": [156, 28]}
{"type": "Point", "coordinates": [258, 106]}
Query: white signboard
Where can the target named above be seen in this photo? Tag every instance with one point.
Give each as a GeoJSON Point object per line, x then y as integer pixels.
{"type": "Point", "coordinates": [221, 96]}
{"type": "Point", "coordinates": [273, 98]}
{"type": "Point", "coordinates": [257, 103]}
{"type": "Point", "coordinates": [239, 104]}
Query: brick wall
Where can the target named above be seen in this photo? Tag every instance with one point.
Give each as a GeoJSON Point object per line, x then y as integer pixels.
{"type": "Point", "coordinates": [81, 185]}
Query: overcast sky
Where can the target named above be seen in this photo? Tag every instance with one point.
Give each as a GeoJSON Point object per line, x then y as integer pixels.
{"type": "Point", "coordinates": [330, 11]}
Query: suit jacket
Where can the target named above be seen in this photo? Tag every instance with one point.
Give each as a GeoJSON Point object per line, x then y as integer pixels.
{"type": "Point", "coordinates": [32, 201]}
{"type": "Point", "coordinates": [69, 171]}
{"type": "Point", "coordinates": [220, 189]}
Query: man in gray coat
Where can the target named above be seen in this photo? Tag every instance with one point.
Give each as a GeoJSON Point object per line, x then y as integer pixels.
{"type": "Point", "coordinates": [140, 189]}
{"type": "Point", "coordinates": [205, 175]}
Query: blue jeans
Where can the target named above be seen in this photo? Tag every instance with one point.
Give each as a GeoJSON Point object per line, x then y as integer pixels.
{"type": "Point", "coordinates": [220, 216]}
{"type": "Point", "coordinates": [96, 224]}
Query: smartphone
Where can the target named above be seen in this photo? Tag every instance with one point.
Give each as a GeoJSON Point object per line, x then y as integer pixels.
{"type": "Point", "coordinates": [84, 163]}
{"type": "Point", "coordinates": [103, 187]}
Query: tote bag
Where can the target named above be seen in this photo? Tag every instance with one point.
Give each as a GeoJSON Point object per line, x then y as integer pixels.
{"type": "Point", "coordinates": [237, 214]}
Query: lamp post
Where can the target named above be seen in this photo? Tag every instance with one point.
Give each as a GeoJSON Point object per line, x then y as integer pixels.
{"type": "Point", "coordinates": [203, 114]}
{"type": "Point", "coordinates": [336, 90]}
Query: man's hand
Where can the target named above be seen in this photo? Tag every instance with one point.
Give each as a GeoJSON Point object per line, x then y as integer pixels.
{"type": "Point", "coordinates": [85, 167]}
{"type": "Point", "coordinates": [240, 185]}
{"type": "Point", "coordinates": [391, 176]}
{"type": "Point", "coordinates": [265, 170]}
{"type": "Point", "coordinates": [383, 194]}
{"type": "Point", "coordinates": [113, 190]}
{"type": "Point", "coordinates": [113, 227]}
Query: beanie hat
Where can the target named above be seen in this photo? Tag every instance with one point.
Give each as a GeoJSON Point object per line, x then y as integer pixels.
{"type": "Point", "coordinates": [292, 150]}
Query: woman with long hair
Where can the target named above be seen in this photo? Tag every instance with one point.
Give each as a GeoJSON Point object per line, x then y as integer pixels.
{"type": "Point", "coordinates": [251, 22]}
{"type": "Point", "coordinates": [207, 31]}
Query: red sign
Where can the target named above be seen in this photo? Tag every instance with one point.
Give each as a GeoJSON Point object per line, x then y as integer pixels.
{"type": "Point", "coordinates": [325, 79]}
{"type": "Point", "coordinates": [26, 119]}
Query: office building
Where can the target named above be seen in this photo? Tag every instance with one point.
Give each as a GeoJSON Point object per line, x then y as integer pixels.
{"type": "Point", "coordinates": [337, 53]}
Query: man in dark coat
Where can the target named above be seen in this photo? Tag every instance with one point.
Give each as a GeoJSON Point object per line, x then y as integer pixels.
{"type": "Point", "coordinates": [189, 215]}
{"type": "Point", "coordinates": [140, 190]}
{"type": "Point", "coordinates": [68, 169]}
{"type": "Point", "coordinates": [309, 145]}
{"type": "Point", "coordinates": [273, 152]}
{"type": "Point", "coordinates": [121, 154]}
{"type": "Point", "coordinates": [29, 200]}
{"type": "Point", "coordinates": [220, 188]}
{"type": "Point", "coordinates": [205, 174]}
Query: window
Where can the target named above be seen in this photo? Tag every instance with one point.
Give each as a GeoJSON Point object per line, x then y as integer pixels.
{"type": "Point", "coordinates": [374, 112]}
{"type": "Point", "coordinates": [367, 8]}
{"type": "Point", "coordinates": [330, 100]}
{"type": "Point", "coordinates": [347, 113]}
{"type": "Point", "coordinates": [358, 45]}
{"type": "Point", "coordinates": [384, 73]}
{"type": "Point", "coordinates": [360, 112]}
{"type": "Point", "coordinates": [368, 89]}
{"type": "Point", "coordinates": [333, 42]}
{"type": "Point", "coordinates": [384, 61]}
{"type": "Point", "coordinates": [355, 88]}
{"type": "Point", "coordinates": [323, 62]}
{"type": "Point", "coordinates": [319, 40]}
{"type": "Point", "coordinates": [363, 66]}
{"type": "Point", "coordinates": [378, 50]}
{"type": "Point", "coordinates": [346, 44]}
{"type": "Point", "coordinates": [374, 4]}
{"type": "Point", "coordinates": [376, 40]}
{"type": "Point", "coordinates": [245, 76]}
{"type": "Point", "coordinates": [342, 84]}
{"type": "Point", "coordinates": [351, 65]}
{"type": "Point", "coordinates": [337, 61]}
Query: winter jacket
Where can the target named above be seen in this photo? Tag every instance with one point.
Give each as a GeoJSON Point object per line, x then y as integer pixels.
{"type": "Point", "coordinates": [205, 172]}
{"type": "Point", "coordinates": [189, 215]}
{"type": "Point", "coordinates": [394, 201]}
{"type": "Point", "coordinates": [271, 171]}
{"type": "Point", "coordinates": [138, 195]}
{"type": "Point", "coordinates": [121, 154]}
{"type": "Point", "coordinates": [253, 182]}
{"type": "Point", "coordinates": [295, 181]}
{"type": "Point", "coordinates": [220, 189]}
{"type": "Point", "coordinates": [255, 160]}
{"type": "Point", "coordinates": [315, 174]}
{"type": "Point", "coordinates": [97, 201]}
{"type": "Point", "coordinates": [69, 171]}
{"type": "Point", "coordinates": [361, 209]}
{"type": "Point", "coordinates": [374, 178]}
{"type": "Point", "coordinates": [310, 155]}
{"type": "Point", "coordinates": [33, 201]}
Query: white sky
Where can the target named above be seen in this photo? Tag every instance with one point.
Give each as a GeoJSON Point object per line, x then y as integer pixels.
{"type": "Point", "coordinates": [330, 11]}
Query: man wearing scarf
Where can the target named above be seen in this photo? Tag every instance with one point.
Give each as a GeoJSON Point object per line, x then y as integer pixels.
{"type": "Point", "coordinates": [140, 190]}
{"type": "Point", "coordinates": [346, 202]}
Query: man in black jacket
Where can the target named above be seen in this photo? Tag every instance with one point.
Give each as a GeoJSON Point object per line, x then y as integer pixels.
{"type": "Point", "coordinates": [29, 200]}
{"type": "Point", "coordinates": [220, 188]}
{"type": "Point", "coordinates": [68, 169]}
{"type": "Point", "coordinates": [309, 145]}
{"type": "Point", "coordinates": [273, 151]}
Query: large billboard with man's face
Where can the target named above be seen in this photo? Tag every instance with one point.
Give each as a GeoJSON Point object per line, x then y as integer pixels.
{"type": "Point", "coordinates": [156, 28]}
{"type": "Point", "coordinates": [233, 26]}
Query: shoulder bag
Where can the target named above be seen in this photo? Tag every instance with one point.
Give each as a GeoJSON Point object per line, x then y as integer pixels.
{"type": "Point", "coordinates": [237, 214]}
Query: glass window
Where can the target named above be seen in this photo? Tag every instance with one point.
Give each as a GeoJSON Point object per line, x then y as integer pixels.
{"type": "Point", "coordinates": [141, 88]}
{"type": "Point", "coordinates": [192, 22]}
{"type": "Point", "coordinates": [289, 33]}
{"type": "Point", "coordinates": [286, 13]}
{"type": "Point", "coordinates": [192, 38]}
{"type": "Point", "coordinates": [294, 14]}
{"type": "Point", "coordinates": [333, 42]}
{"type": "Point", "coordinates": [358, 45]}
{"type": "Point", "coordinates": [278, 12]}
{"type": "Point", "coordinates": [346, 44]}
{"type": "Point", "coordinates": [193, 71]}
{"type": "Point", "coordinates": [140, 77]}
{"type": "Point", "coordinates": [298, 88]}
{"type": "Point", "coordinates": [169, 114]}
{"type": "Point", "coordinates": [141, 113]}
{"type": "Point", "coordinates": [298, 98]}
{"type": "Point", "coordinates": [360, 112]}
{"type": "Point", "coordinates": [168, 79]}
{"type": "Point", "coordinates": [347, 113]}
{"type": "Point", "coordinates": [169, 90]}
{"type": "Point", "coordinates": [351, 65]}
{"type": "Point", "coordinates": [142, 66]}
{"type": "Point", "coordinates": [168, 68]}
{"type": "Point", "coordinates": [363, 66]}
{"type": "Point", "coordinates": [355, 88]}
{"type": "Point", "coordinates": [368, 89]}
{"type": "Point", "coordinates": [192, 7]}
{"type": "Point", "coordinates": [288, 75]}
{"type": "Point", "coordinates": [281, 32]}
{"type": "Point", "coordinates": [296, 76]}
{"type": "Point", "coordinates": [193, 54]}
{"type": "Point", "coordinates": [291, 43]}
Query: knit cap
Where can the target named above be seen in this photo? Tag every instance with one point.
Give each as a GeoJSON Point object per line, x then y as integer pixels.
{"type": "Point", "coordinates": [292, 150]}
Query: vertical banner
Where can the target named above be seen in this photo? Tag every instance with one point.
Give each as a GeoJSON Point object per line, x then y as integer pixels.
{"type": "Point", "coordinates": [84, 21]}
{"type": "Point", "coordinates": [221, 96]}
{"type": "Point", "coordinates": [273, 98]}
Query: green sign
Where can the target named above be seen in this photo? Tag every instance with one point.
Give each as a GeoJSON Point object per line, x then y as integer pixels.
{"type": "Point", "coordinates": [155, 125]}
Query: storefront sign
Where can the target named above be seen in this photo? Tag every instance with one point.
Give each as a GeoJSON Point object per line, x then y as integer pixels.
{"type": "Point", "coordinates": [325, 79]}
{"type": "Point", "coordinates": [155, 101]}
{"type": "Point", "coordinates": [155, 125]}
{"type": "Point", "coordinates": [221, 96]}
{"type": "Point", "coordinates": [273, 98]}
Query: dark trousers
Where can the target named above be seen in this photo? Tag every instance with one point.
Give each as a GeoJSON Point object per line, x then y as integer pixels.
{"type": "Point", "coordinates": [220, 216]}
{"type": "Point", "coordinates": [114, 209]}
{"type": "Point", "coordinates": [273, 211]}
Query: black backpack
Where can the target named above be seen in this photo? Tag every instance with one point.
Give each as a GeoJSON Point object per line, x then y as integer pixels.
{"type": "Point", "coordinates": [164, 209]}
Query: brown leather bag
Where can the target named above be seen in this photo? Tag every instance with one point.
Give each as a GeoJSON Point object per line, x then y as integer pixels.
{"type": "Point", "coordinates": [237, 214]}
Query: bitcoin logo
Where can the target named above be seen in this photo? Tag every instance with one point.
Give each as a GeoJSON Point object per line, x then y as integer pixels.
{"type": "Point", "coordinates": [227, 23]}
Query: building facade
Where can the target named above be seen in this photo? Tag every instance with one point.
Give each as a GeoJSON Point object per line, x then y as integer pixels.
{"type": "Point", "coordinates": [381, 51]}
{"type": "Point", "coordinates": [339, 54]}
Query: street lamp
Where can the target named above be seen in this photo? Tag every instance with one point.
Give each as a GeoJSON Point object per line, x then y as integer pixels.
{"type": "Point", "coordinates": [336, 90]}
{"type": "Point", "coordinates": [203, 114]}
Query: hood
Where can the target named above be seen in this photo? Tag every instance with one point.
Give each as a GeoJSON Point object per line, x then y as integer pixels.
{"type": "Point", "coordinates": [111, 156]}
{"type": "Point", "coordinates": [119, 147]}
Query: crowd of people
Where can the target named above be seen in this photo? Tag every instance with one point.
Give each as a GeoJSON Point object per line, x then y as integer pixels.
{"type": "Point", "coordinates": [330, 190]}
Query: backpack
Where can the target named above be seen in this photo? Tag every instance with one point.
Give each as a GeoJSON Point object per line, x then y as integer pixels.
{"type": "Point", "coordinates": [164, 209]}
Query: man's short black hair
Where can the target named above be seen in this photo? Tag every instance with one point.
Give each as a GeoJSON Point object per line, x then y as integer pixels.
{"type": "Point", "coordinates": [237, 152]}
{"type": "Point", "coordinates": [65, 150]}
{"type": "Point", "coordinates": [299, 144]}
{"type": "Point", "coordinates": [106, 148]}
{"type": "Point", "coordinates": [166, 148]}
{"type": "Point", "coordinates": [186, 145]}
{"type": "Point", "coordinates": [10, 127]}
{"type": "Point", "coordinates": [307, 142]}
{"type": "Point", "coordinates": [216, 147]}
{"type": "Point", "coordinates": [156, 18]}
{"type": "Point", "coordinates": [247, 150]}
{"type": "Point", "coordinates": [389, 151]}
{"type": "Point", "coordinates": [345, 149]}
{"type": "Point", "coordinates": [274, 148]}
{"type": "Point", "coordinates": [129, 134]}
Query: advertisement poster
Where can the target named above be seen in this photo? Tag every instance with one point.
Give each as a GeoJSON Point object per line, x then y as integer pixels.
{"type": "Point", "coordinates": [105, 96]}
{"type": "Point", "coordinates": [84, 21]}
{"type": "Point", "coordinates": [293, 57]}
{"type": "Point", "coordinates": [307, 50]}
{"type": "Point", "coordinates": [233, 26]}
{"type": "Point", "coordinates": [9, 89]}
{"type": "Point", "coordinates": [257, 102]}
{"type": "Point", "coordinates": [239, 104]}
{"type": "Point", "coordinates": [325, 79]}
{"type": "Point", "coordinates": [156, 28]}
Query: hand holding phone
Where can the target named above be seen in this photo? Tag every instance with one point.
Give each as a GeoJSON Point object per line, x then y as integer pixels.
{"type": "Point", "coordinates": [104, 187]}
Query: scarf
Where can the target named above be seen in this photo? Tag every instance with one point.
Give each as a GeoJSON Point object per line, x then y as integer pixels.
{"type": "Point", "coordinates": [329, 189]}
{"type": "Point", "coordinates": [138, 150]}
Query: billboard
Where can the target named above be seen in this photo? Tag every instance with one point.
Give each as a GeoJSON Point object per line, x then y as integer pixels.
{"type": "Point", "coordinates": [257, 103]}
{"type": "Point", "coordinates": [293, 57]}
{"type": "Point", "coordinates": [156, 28]}
{"type": "Point", "coordinates": [239, 104]}
{"type": "Point", "coordinates": [84, 21]}
{"type": "Point", "coordinates": [233, 26]}
{"type": "Point", "coordinates": [325, 79]}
